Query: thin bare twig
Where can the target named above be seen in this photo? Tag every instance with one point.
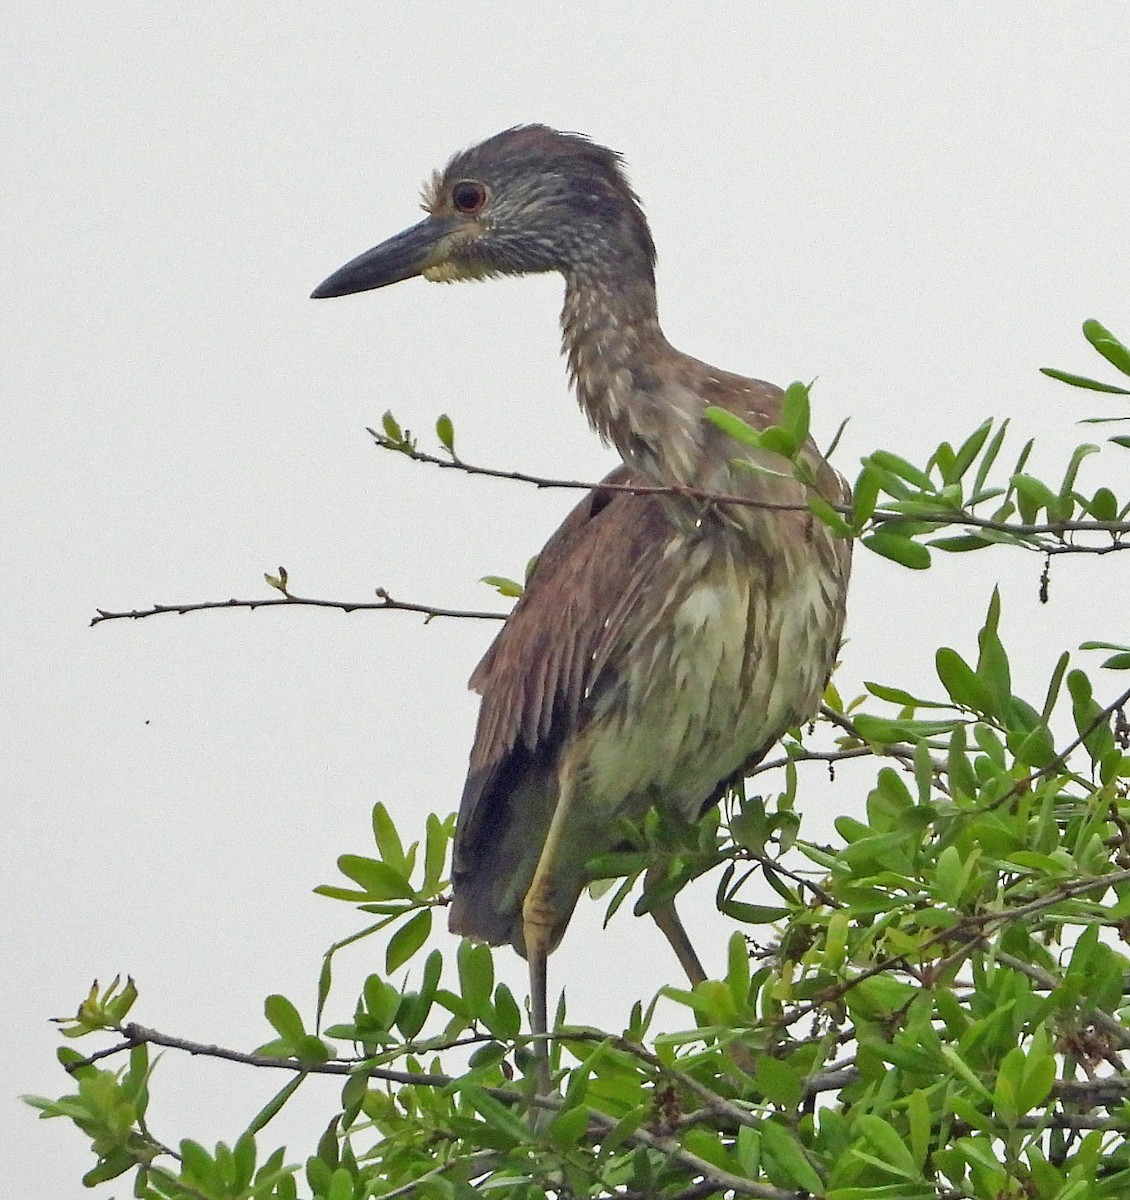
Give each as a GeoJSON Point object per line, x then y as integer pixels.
{"type": "Point", "coordinates": [906, 757]}
{"type": "Point", "coordinates": [383, 602]}
{"type": "Point", "coordinates": [454, 463]}
{"type": "Point", "coordinates": [826, 756]}
{"type": "Point", "coordinates": [944, 516]}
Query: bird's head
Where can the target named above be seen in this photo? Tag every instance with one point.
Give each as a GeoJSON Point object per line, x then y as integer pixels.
{"type": "Point", "coordinates": [527, 200]}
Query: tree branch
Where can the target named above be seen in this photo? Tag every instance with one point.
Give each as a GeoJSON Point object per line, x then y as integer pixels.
{"type": "Point", "coordinates": [724, 1180]}
{"type": "Point", "coordinates": [944, 516]}
{"type": "Point", "coordinates": [967, 929]}
{"type": "Point", "coordinates": [1061, 758]}
{"type": "Point", "coordinates": [383, 602]}
{"type": "Point", "coordinates": [719, 1179]}
{"type": "Point", "coordinates": [1045, 979]}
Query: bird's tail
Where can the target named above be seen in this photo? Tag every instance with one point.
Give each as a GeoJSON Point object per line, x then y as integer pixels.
{"type": "Point", "coordinates": [495, 857]}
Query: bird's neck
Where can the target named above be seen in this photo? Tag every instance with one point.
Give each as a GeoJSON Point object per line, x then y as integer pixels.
{"type": "Point", "coordinates": [617, 356]}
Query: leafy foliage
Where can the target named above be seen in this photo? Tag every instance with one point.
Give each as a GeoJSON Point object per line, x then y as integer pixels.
{"type": "Point", "coordinates": [933, 1006]}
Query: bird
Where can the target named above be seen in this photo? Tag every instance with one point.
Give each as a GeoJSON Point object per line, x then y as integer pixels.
{"type": "Point", "coordinates": [665, 639]}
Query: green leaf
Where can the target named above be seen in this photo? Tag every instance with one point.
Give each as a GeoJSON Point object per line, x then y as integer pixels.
{"type": "Point", "coordinates": [1033, 496]}
{"type": "Point", "coordinates": [950, 876]}
{"type": "Point", "coordinates": [778, 441]}
{"type": "Point", "coordinates": [325, 982]}
{"type": "Point", "coordinates": [780, 1083]}
{"type": "Point", "coordinates": [752, 914]}
{"type": "Point", "coordinates": [864, 496]}
{"type": "Point", "coordinates": [921, 1126]}
{"type": "Point", "coordinates": [733, 426]}
{"type": "Point", "coordinates": [284, 1018]}
{"type": "Point", "coordinates": [1081, 381]}
{"type": "Point", "coordinates": [898, 549]}
{"type": "Point", "coordinates": [961, 776]}
{"type": "Point", "coordinates": [312, 1049]}
{"type": "Point", "coordinates": [507, 1022]}
{"type": "Point", "coordinates": [502, 585]}
{"type": "Point", "coordinates": [445, 431]}
{"type": "Point", "coordinates": [879, 996]}
{"type": "Point", "coordinates": [392, 429]}
{"type": "Point", "coordinates": [1037, 749]}
{"type": "Point", "coordinates": [1103, 505]}
{"type": "Point", "coordinates": [476, 975]}
{"type": "Point", "coordinates": [992, 661]}
{"type": "Point", "coordinates": [118, 1006]}
{"type": "Point", "coordinates": [962, 1069]}
{"type": "Point", "coordinates": [1007, 1085]}
{"type": "Point", "coordinates": [882, 730]}
{"type": "Point", "coordinates": [961, 543]}
{"type": "Point", "coordinates": [737, 970]}
{"type": "Point", "coordinates": [965, 687]}
{"type": "Point", "coordinates": [969, 450]}
{"type": "Point", "coordinates": [889, 1148]}
{"type": "Point", "coordinates": [1036, 1084]}
{"type": "Point", "coordinates": [893, 695]}
{"type": "Point", "coordinates": [341, 1185]}
{"type": "Point", "coordinates": [488, 1055]}
{"type": "Point", "coordinates": [496, 1114]}
{"type": "Point", "coordinates": [388, 840]}
{"type": "Point", "coordinates": [1054, 684]}
{"type": "Point", "coordinates": [415, 1006]}
{"type": "Point", "coordinates": [1096, 734]}
{"type": "Point", "coordinates": [243, 1160]}
{"type": "Point", "coordinates": [989, 458]}
{"type": "Point", "coordinates": [778, 1144]}
{"type": "Point", "coordinates": [407, 940]}
{"type": "Point", "coordinates": [828, 515]}
{"type": "Point", "coordinates": [116, 1163]}
{"type": "Point", "coordinates": [380, 880]}
{"type": "Point", "coordinates": [271, 1109]}
{"type": "Point", "coordinates": [435, 852]}
{"type": "Point", "coordinates": [1107, 345]}
{"type": "Point", "coordinates": [901, 468]}
{"type": "Point", "coordinates": [795, 413]}
{"type": "Point", "coordinates": [382, 1001]}
{"type": "Point", "coordinates": [353, 1095]}
{"type": "Point", "coordinates": [569, 1127]}
{"type": "Point", "coordinates": [197, 1165]}
{"type": "Point", "coordinates": [1072, 472]}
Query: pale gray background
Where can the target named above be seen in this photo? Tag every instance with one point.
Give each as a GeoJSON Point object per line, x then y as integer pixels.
{"type": "Point", "coordinates": [917, 204]}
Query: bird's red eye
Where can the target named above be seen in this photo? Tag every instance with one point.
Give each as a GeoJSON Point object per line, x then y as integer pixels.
{"type": "Point", "coordinates": [468, 196]}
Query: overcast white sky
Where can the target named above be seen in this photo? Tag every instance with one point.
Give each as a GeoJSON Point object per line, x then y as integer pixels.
{"type": "Point", "coordinates": [917, 204]}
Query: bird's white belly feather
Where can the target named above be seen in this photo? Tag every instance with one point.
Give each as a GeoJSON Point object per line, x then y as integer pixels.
{"type": "Point", "coordinates": [722, 675]}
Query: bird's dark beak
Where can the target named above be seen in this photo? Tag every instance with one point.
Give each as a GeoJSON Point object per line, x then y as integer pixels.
{"type": "Point", "coordinates": [407, 254]}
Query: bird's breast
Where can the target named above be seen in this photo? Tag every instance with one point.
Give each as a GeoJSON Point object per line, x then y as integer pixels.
{"type": "Point", "coordinates": [730, 648]}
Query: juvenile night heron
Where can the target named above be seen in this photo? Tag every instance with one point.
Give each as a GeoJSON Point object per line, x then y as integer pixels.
{"type": "Point", "coordinates": [663, 643]}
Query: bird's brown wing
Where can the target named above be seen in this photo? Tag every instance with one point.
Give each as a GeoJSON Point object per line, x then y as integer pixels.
{"type": "Point", "coordinates": [553, 647]}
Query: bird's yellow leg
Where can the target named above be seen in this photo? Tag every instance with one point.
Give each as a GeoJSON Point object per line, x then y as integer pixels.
{"type": "Point", "coordinates": [665, 916]}
{"type": "Point", "coordinates": [539, 919]}
{"type": "Point", "coordinates": [536, 960]}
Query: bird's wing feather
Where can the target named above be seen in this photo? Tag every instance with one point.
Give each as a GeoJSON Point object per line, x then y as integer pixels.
{"type": "Point", "coordinates": [553, 647]}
